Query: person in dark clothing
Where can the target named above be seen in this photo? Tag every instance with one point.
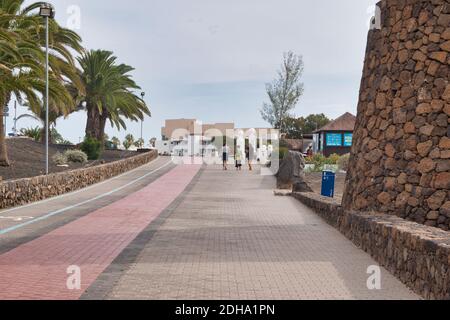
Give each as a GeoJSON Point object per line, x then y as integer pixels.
{"type": "Point", "coordinates": [309, 152]}
{"type": "Point", "coordinates": [225, 153]}
{"type": "Point", "coordinates": [247, 157]}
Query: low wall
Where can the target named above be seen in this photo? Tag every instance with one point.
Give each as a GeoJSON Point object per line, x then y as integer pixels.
{"type": "Point", "coordinates": [23, 191]}
{"type": "Point", "coordinates": [416, 254]}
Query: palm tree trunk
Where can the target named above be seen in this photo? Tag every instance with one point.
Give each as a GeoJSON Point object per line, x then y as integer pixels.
{"type": "Point", "coordinates": [4, 161]}
{"type": "Point", "coordinates": [96, 123]}
{"type": "Point", "coordinates": [93, 123]}
{"type": "Point", "coordinates": [103, 119]}
{"type": "Point", "coordinates": [43, 134]}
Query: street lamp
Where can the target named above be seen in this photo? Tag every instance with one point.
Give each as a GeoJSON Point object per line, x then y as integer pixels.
{"type": "Point", "coordinates": [46, 11]}
{"type": "Point", "coordinates": [142, 121]}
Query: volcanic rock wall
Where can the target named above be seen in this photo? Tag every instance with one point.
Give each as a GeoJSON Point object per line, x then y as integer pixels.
{"type": "Point", "coordinates": [400, 160]}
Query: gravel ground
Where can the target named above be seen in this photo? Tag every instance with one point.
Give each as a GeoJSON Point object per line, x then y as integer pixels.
{"type": "Point", "coordinates": [28, 159]}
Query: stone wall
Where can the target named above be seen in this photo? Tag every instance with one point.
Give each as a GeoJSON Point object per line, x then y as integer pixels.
{"type": "Point", "coordinates": [400, 162]}
{"type": "Point", "coordinates": [417, 255]}
{"type": "Point", "coordinates": [23, 191]}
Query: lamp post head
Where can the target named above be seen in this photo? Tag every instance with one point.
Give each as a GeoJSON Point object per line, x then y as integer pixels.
{"type": "Point", "coordinates": [47, 11]}
{"type": "Point", "coordinates": [142, 95]}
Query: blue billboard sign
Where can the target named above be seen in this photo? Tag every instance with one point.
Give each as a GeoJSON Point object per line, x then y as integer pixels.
{"type": "Point", "coordinates": [334, 140]}
{"type": "Point", "coordinates": [348, 139]}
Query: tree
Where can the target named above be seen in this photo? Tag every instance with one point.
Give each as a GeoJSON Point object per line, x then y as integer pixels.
{"type": "Point", "coordinates": [128, 142]}
{"type": "Point", "coordinates": [109, 93]}
{"type": "Point", "coordinates": [139, 143]}
{"type": "Point", "coordinates": [314, 122]}
{"type": "Point", "coordinates": [153, 142]}
{"type": "Point", "coordinates": [284, 92]}
{"type": "Point", "coordinates": [57, 138]}
{"type": "Point", "coordinates": [116, 142]}
{"type": "Point", "coordinates": [22, 41]}
{"type": "Point", "coordinates": [54, 114]}
{"type": "Point", "coordinates": [295, 128]}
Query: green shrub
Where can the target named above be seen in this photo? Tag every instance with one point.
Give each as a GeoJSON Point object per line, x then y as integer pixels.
{"type": "Point", "coordinates": [333, 159]}
{"type": "Point", "coordinates": [318, 160]}
{"type": "Point", "coordinates": [76, 156]}
{"type": "Point", "coordinates": [344, 162]}
{"type": "Point", "coordinates": [59, 159]}
{"type": "Point", "coordinates": [92, 148]}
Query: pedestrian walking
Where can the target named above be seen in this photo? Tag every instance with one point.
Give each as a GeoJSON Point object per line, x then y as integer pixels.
{"type": "Point", "coordinates": [309, 152]}
{"type": "Point", "coordinates": [238, 158]}
{"type": "Point", "coordinates": [247, 157]}
{"type": "Point", "coordinates": [225, 153]}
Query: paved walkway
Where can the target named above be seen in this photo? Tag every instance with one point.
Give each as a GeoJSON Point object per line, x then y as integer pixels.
{"type": "Point", "coordinates": [165, 232]}
{"type": "Point", "coordinates": [24, 224]}
{"type": "Point", "coordinates": [39, 269]}
{"type": "Point", "coordinates": [230, 238]}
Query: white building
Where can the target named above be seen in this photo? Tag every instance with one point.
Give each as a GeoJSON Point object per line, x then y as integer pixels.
{"type": "Point", "coordinates": [189, 137]}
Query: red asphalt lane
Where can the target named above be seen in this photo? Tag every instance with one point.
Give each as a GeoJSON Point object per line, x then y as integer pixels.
{"type": "Point", "coordinates": [37, 270]}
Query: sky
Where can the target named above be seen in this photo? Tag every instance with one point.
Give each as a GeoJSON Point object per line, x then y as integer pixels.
{"type": "Point", "coordinates": [211, 59]}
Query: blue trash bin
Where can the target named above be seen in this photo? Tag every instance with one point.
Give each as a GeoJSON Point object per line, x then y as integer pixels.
{"type": "Point", "coordinates": [328, 181]}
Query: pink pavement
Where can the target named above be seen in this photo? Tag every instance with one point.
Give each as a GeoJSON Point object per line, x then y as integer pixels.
{"type": "Point", "coordinates": [37, 270]}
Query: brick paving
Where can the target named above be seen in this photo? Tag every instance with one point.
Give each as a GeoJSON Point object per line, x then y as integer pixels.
{"type": "Point", "coordinates": [226, 237]}
{"type": "Point", "coordinates": [75, 205]}
{"type": "Point", "coordinates": [38, 269]}
{"type": "Point", "coordinates": [231, 238]}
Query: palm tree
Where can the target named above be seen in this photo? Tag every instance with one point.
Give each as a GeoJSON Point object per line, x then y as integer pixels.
{"type": "Point", "coordinates": [22, 59]}
{"type": "Point", "coordinates": [34, 133]}
{"type": "Point", "coordinates": [109, 93]}
{"type": "Point", "coordinates": [14, 54]}
{"type": "Point", "coordinates": [57, 109]}
{"type": "Point", "coordinates": [139, 143]}
{"type": "Point", "coordinates": [53, 115]}
{"type": "Point", "coordinates": [116, 142]}
{"type": "Point", "coordinates": [128, 142]}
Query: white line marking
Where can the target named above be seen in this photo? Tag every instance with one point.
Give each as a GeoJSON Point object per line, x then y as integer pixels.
{"type": "Point", "coordinates": [51, 214]}
{"type": "Point", "coordinates": [77, 191]}
{"type": "Point", "coordinates": [17, 218]}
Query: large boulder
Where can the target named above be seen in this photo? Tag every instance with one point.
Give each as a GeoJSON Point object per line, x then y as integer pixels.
{"type": "Point", "coordinates": [291, 174]}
